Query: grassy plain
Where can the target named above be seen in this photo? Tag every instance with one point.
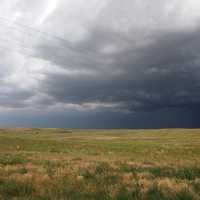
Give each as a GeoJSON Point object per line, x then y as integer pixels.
{"type": "Point", "coordinates": [64, 164]}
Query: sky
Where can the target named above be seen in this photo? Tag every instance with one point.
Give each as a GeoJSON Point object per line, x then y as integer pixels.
{"type": "Point", "coordinates": [100, 64]}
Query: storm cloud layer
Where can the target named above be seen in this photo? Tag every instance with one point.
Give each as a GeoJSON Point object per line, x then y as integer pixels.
{"type": "Point", "coordinates": [123, 57]}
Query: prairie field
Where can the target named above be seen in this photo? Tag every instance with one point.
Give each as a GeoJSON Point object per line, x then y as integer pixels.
{"type": "Point", "coordinates": [75, 164]}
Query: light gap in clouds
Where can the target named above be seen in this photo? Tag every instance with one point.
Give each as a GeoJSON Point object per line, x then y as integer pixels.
{"type": "Point", "coordinates": [51, 6]}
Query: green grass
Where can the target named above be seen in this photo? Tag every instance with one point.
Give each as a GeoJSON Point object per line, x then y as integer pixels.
{"type": "Point", "coordinates": [155, 193]}
{"type": "Point", "coordinates": [12, 159]}
{"type": "Point", "coordinates": [12, 188]}
{"type": "Point", "coordinates": [59, 164]}
{"type": "Point", "coordinates": [189, 173]}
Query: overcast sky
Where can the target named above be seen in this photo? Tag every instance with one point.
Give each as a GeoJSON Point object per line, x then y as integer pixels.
{"type": "Point", "coordinates": [100, 64]}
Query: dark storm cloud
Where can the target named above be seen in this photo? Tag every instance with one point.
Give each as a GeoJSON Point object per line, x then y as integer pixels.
{"type": "Point", "coordinates": [131, 57]}
{"type": "Point", "coordinates": [162, 74]}
{"type": "Point", "coordinates": [14, 99]}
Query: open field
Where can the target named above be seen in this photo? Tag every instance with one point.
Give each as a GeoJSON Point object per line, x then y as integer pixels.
{"type": "Point", "coordinates": [63, 164]}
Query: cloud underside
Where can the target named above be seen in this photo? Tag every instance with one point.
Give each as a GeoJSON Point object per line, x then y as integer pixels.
{"type": "Point", "coordinates": [128, 56]}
